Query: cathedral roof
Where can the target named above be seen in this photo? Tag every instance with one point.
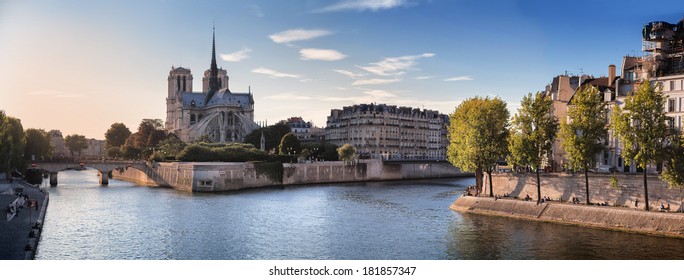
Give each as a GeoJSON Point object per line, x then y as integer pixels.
{"type": "Point", "coordinates": [225, 97]}
{"type": "Point", "coordinates": [196, 98]}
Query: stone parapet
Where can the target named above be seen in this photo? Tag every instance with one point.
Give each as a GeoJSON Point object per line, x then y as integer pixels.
{"type": "Point", "coordinates": [628, 192]}
{"type": "Point", "coordinates": [615, 218]}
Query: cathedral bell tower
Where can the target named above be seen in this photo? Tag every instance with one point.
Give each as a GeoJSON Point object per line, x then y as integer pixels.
{"type": "Point", "coordinates": [179, 80]}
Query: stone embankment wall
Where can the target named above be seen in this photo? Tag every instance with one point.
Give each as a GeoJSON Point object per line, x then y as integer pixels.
{"type": "Point", "coordinates": [210, 176]}
{"type": "Point", "coordinates": [616, 218]}
{"type": "Point", "coordinates": [628, 193]}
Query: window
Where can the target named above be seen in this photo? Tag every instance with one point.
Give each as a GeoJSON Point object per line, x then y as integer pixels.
{"type": "Point", "coordinates": [672, 85]}
{"type": "Point", "coordinates": [671, 105]}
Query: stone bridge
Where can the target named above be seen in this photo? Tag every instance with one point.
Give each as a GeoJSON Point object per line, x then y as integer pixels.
{"type": "Point", "coordinates": [104, 167]}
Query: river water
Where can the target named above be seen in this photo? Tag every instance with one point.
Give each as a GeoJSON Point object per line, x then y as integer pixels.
{"type": "Point", "coordinates": [383, 220]}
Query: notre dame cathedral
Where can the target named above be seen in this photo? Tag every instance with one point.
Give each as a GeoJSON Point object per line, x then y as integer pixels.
{"type": "Point", "coordinates": [222, 115]}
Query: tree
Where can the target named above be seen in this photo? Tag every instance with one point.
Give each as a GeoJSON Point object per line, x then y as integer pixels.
{"type": "Point", "coordinates": [150, 133]}
{"type": "Point", "coordinates": [322, 151]}
{"type": "Point", "coordinates": [171, 146]}
{"type": "Point", "coordinates": [584, 135]}
{"type": "Point", "coordinates": [37, 144]}
{"type": "Point", "coordinates": [116, 135]}
{"type": "Point", "coordinates": [533, 132]}
{"type": "Point", "coordinates": [114, 152]}
{"type": "Point", "coordinates": [12, 143]}
{"type": "Point", "coordinates": [673, 173]}
{"type": "Point", "coordinates": [347, 152]}
{"type": "Point", "coordinates": [272, 134]}
{"type": "Point", "coordinates": [76, 144]}
{"type": "Point", "coordinates": [289, 145]}
{"type": "Point", "coordinates": [642, 128]}
{"type": "Point", "coordinates": [478, 132]}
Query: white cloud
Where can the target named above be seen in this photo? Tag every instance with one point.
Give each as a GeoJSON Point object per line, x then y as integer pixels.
{"type": "Point", "coordinates": [274, 74]}
{"type": "Point", "coordinates": [459, 78]}
{"type": "Point", "coordinates": [293, 35]}
{"type": "Point", "coordinates": [362, 5]}
{"type": "Point", "coordinates": [238, 55]}
{"type": "Point", "coordinates": [321, 54]}
{"type": "Point", "coordinates": [374, 82]}
{"type": "Point", "coordinates": [377, 93]}
{"type": "Point", "coordinates": [395, 66]}
{"type": "Point", "coordinates": [350, 74]}
{"type": "Point", "coordinates": [423, 78]}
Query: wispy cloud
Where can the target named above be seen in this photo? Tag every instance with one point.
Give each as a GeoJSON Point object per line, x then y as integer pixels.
{"type": "Point", "coordinates": [371, 96]}
{"type": "Point", "coordinates": [321, 54]}
{"type": "Point", "coordinates": [55, 93]}
{"type": "Point", "coordinates": [363, 5]}
{"type": "Point", "coordinates": [423, 78]}
{"type": "Point", "coordinates": [395, 66]}
{"type": "Point", "coordinates": [255, 10]}
{"type": "Point", "coordinates": [459, 78]}
{"type": "Point", "coordinates": [350, 74]}
{"type": "Point", "coordinates": [275, 74]}
{"type": "Point", "coordinates": [374, 82]}
{"type": "Point", "coordinates": [238, 55]}
{"type": "Point", "coordinates": [378, 93]}
{"type": "Point", "coordinates": [293, 35]}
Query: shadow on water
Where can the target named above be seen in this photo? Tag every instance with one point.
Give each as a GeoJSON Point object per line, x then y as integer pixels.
{"type": "Point", "coordinates": [473, 236]}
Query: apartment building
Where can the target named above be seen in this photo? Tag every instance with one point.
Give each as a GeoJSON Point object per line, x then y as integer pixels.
{"type": "Point", "coordinates": [390, 132]}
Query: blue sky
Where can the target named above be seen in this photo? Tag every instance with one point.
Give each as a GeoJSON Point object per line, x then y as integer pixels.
{"type": "Point", "coordinates": [80, 66]}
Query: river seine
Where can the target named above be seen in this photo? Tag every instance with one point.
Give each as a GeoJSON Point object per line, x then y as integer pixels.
{"type": "Point", "coordinates": [384, 220]}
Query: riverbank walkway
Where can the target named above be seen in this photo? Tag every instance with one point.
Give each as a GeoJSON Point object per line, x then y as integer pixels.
{"type": "Point", "coordinates": [21, 205]}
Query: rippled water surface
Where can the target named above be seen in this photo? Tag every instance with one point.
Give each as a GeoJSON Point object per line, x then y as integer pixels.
{"type": "Point", "coordinates": [387, 220]}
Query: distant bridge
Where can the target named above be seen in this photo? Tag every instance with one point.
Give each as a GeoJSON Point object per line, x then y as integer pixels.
{"type": "Point", "coordinates": [104, 167]}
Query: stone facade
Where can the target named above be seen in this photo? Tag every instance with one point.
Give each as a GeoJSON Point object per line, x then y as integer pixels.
{"type": "Point", "coordinates": [628, 193]}
{"type": "Point", "coordinates": [225, 176]}
{"type": "Point", "coordinates": [390, 132]}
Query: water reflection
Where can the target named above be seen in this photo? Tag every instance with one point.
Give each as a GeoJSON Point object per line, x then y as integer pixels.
{"type": "Point", "coordinates": [388, 220]}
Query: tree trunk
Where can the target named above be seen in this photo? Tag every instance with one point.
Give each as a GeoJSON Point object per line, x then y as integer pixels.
{"type": "Point", "coordinates": [491, 189]}
{"type": "Point", "coordinates": [538, 187]}
{"type": "Point", "coordinates": [586, 182]}
{"type": "Point", "coordinates": [646, 190]}
{"type": "Point", "coordinates": [478, 179]}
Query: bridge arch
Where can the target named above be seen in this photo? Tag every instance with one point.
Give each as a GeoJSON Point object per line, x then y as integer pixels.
{"type": "Point", "coordinates": [104, 168]}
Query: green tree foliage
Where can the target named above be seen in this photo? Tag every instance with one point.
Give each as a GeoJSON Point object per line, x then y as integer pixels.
{"type": "Point", "coordinates": [533, 132]}
{"type": "Point", "coordinates": [143, 142]}
{"type": "Point", "coordinates": [12, 143]}
{"type": "Point", "coordinates": [222, 152]}
{"type": "Point", "coordinates": [322, 151]}
{"type": "Point", "coordinates": [584, 135]}
{"type": "Point", "coordinates": [272, 134]}
{"type": "Point", "coordinates": [37, 144]}
{"type": "Point", "coordinates": [114, 152]}
{"type": "Point", "coordinates": [76, 144]}
{"type": "Point", "coordinates": [204, 138]}
{"type": "Point", "coordinates": [289, 145]}
{"type": "Point", "coordinates": [116, 135]}
{"type": "Point", "coordinates": [478, 132]}
{"type": "Point", "coordinates": [171, 146]}
{"type": "Point", "coordinates": [347, 152]}
{"type": "Point", "coordinates": [673, 173]}
{"type": "Point", "coordinates": [642, 128]}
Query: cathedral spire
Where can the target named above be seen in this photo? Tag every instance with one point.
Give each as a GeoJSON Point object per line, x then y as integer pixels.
{"type": "Point", "coordinates": [213, 70]}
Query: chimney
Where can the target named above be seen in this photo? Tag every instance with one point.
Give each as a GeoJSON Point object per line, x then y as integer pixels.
{"type": "Point", "coordinates": [611, 74]}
